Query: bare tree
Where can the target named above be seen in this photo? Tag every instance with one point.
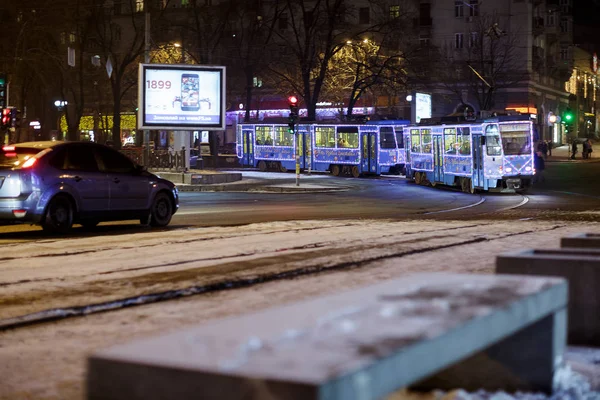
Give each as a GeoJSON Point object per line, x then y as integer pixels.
{"type": "Point", "coordinates": [119, 34]}
{"type": "Point", "coordinates": [251, 34]}
{"type": "Point", "coordinates": [310, 33]}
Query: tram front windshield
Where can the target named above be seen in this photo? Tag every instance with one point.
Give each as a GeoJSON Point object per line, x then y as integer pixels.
{"type": "Point", "coordinates": [516, 143]}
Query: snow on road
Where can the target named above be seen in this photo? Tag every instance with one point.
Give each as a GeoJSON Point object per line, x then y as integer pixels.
{"type": "Point", "coordinates": [47, 361]}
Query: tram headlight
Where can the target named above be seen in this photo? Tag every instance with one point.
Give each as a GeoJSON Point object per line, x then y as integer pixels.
{"type": "Point", "coordinates": [529, 169]}
{"type": "Point", "coordinates": [508, 169]}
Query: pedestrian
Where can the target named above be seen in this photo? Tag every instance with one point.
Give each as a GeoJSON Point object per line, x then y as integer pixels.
{"type": "Point", "coordinates": [550, 145]}
{"type": "Point", "coordinates": [545, 149]}
{"type": "Point", "coordinates": [584, 150]}
{"type": "Point", "coordinates": [589, 148]}
{"type": "Point", "coordinates": [573, 149]}
{"type": "Point", "coordinates": [539, 165]}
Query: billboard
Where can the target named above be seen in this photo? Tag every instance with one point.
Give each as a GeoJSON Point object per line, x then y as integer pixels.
{"type": "Point", "coordinates": [181, 97]}
{"type": "Point", "coordinates": [422, 106]}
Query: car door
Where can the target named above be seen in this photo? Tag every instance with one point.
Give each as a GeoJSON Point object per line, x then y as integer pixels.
{"type": "Point", "coordinates": [129, 185]}
{"type": "Point", "coordinates": [80, 171]}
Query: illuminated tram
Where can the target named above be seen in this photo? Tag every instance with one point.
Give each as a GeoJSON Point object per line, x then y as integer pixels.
{"type": "Point", "coordinates": [351, 149]}
{"type": "Point", "coordinates": [494, 155]}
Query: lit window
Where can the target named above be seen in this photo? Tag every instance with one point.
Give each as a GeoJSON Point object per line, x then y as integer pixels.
{"type": "Point", "coordinates": [394, 11]}
{"type": "Point", "coordinates": [72, 37]}
{"type": "Point", "coordinates": [139, 5]}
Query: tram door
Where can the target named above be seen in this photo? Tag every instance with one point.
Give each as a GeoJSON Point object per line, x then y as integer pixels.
{"type": "Point", "coordinates": [305, 160]}
{"type": "Point", "coordinates": [368, 142]}
{"type": "Point", "coordinates": [438, 158]}
{"type": "Point", "coordinates": [247, 148]}
{"type": "Point", "coordinates": [477, 161]}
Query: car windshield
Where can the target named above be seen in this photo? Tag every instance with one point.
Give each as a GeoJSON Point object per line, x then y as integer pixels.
{"type": "Point", "coordinates": [11, 156]}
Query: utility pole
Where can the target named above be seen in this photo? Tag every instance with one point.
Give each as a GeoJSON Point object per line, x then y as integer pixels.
{"type": "Point", "coordinates": [146, 155]}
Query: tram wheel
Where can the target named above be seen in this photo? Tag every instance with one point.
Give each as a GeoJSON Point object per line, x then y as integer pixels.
{"type": "Point", "coordinates": [282, 168]}
{"type": "Point", "coordinates": [335, 170]}
{"type": "Point", "coordinates": [355, 171]}
{"type": "Point", "coordinates": [418, 178]}
{"type": "Point", "coordinates": [465, 185]}
{"type": "Point", "coordinates": [262, 166]}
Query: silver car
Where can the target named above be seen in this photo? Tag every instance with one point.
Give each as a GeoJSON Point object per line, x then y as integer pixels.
{"type": "Point", "coordinates": [57, 184]}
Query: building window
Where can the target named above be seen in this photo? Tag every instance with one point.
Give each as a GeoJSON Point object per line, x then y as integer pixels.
{"type": "Point", "coordinates": [474, 8]}
{"type": "Point", "coordinates": [565, 6]}
{"type": "Point", "coordinates": [139, 5]}
{"type": "Point", "coordinates": [72, 37]}
{"type": "Point", "coordinates": [551, 19]}
{"type": "Point", "coordinates": [185, 3]}
{"type": "Point", "coordinates": [208, 2]}
{"type": "Point", "coordinates": [459, 9]}
{"type": "Point", "coordinates": [394, 11]}
{"type": "Point", "coordinates": [473, 39]}
{"type": "Point", "coordinates": [424, 41]}
{"type": "Point", "coordinates": [364, 15]}
{"type": "Point", "coordinates": [458, 40]}
{"type": "Point", "coordinates": [564, 54]}
{"type": "Point", "coordinates": [564, 25]}
{"type": "Point", "coordinates": [63, 38]}
{"type": "Point", "coordinates": [425, 14]}
{"type": "Point", "coordinates": [117, 8]}
{"type": "Point", "coordinates": [283, 22]}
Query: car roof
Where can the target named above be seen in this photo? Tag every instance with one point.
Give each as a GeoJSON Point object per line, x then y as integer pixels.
{"type": "Point", "coordinates": [39, 145]}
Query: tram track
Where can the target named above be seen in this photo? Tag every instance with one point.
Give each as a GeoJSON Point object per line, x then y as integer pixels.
{"type": "Point", "coordinates": [236, 273]}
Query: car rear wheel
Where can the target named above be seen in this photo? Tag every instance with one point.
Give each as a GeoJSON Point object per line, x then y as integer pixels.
{"type": "Point", "coordinates": [161, 210]}
{"type": "Point", "coordinates": [59, 215]}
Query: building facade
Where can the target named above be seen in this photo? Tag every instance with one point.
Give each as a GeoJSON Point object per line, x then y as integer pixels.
{"type": "Point", "coordinates": [500, 56]}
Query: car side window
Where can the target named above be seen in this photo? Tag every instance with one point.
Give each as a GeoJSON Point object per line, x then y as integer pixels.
{"type": "Point", "coordinates": [81, 158]}
{"type": "Point", "coordinates": [113, 161]}
{"type": "Point", "coordinates": [58, 159]}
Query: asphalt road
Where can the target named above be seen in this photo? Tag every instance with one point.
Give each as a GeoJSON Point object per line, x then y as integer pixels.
{"type": "Point", "coordinates": [48, 282]}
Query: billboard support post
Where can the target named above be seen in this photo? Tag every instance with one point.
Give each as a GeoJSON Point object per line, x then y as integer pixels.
{"type": "Point", "coordinates": [146, 138]}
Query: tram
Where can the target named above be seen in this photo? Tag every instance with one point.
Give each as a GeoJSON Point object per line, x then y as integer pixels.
{"type": "Point", "coordinates": [495, 154]}
{"type": "Point", "coordinates": [350, 149]}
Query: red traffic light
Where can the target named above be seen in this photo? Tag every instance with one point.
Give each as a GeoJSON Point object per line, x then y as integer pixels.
{"type": "Point", "coordinates": [293, 100]}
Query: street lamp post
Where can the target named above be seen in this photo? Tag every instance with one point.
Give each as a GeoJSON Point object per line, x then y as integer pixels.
{"type": "Point", "coordinates": [60, 106]}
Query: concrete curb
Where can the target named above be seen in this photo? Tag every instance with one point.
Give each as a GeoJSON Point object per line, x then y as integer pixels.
{"type": "Point", "coordinates": [258, 188]}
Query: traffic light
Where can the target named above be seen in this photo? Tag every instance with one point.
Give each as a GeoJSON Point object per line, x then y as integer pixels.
{"type": "Point", "coordinates": [6, 117]}
{"type": "Point", "coordinates": [15, 118]}
{"type": "Point", "coordinates": [3, 91]}
{"type": "Point", "coordinates": [568, 116]}
{"type": "Point", "coordinates": [293, 118]}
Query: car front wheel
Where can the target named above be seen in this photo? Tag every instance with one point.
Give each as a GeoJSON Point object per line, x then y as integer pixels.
{"type": "Point", "coordinates": [59, 215]}
{"type": "Point", "coordinates": [161, 210]}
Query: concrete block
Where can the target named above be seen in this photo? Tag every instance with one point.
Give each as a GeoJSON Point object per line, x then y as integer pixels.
{"type": "Point", "coordinates": [581, 267]}
{"type": "Point", "coordinates": [357, 345]}
{"type": "Point", "coordinates": [583, 240]}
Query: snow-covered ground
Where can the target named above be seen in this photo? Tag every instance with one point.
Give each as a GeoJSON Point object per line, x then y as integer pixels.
{"type": "Point", "coordinates": [48, 361]}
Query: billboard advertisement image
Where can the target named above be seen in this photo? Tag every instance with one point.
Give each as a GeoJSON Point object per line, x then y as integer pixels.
{"type": "Point", "coordinates": [181, 97]}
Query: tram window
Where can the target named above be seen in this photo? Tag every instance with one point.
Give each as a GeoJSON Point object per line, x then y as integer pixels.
{"type": "Point", "coordinates": [450, 140]}
{"type": "Point", "coordinates": [464, 138]}
{"type": "Point", "coordinates": [516, 143]}
{"type": "Point", "coordinates": [324, 136]}
{"type": "Point", "coordinates": [283, 137]}
{"type": "Point", "coordinates": [400, 138]}
{"type": "Point", "coordinates": [387, 139]}
{"type": "Point", "coordinates": [426, 141]}
{"type": "Point", "coordinates": [493, 145]}
{"type": "Point", "coordinates": [415, 139]}
{"type": "Point", "coordinates": [347, 137]}
{"type": "Point", "coordinates": [264, 135]}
